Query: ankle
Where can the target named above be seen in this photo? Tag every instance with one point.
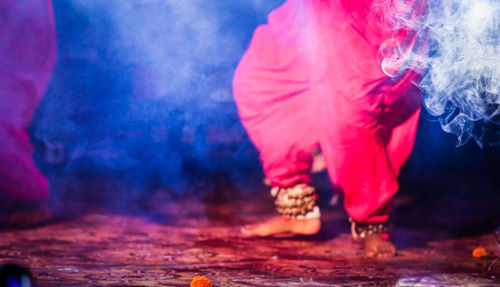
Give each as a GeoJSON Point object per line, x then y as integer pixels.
{"type": "Point", "coordinates": [363, 231]}
{"type": "Point", "coordinates": [297, 202]}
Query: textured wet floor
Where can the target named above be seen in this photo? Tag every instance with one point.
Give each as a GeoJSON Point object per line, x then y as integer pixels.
{"type": "Point", "coordinates": [191, 238]}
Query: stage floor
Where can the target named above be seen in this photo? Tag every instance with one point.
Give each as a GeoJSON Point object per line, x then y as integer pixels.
{"type": "Point", "coordinates": [190, 238]}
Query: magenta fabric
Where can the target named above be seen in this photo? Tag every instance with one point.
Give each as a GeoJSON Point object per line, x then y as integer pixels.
{"type": "Point", "coordinates": [27, 56]}
{"type": "Point", "coordinates": [311, 78]}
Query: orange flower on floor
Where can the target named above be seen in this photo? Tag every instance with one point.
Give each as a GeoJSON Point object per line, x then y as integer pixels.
{"type": "Point", "coordinates": [200, 281]}
{"type": "Point", "coordinates": [479, 252]}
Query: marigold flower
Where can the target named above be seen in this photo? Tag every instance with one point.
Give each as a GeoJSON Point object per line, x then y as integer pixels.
{"type": "Point", "coordinates": [479, 252]}
{"type": "Point", "coordinates": [200, 281]}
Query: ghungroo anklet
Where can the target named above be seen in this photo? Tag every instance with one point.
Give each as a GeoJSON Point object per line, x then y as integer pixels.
{"type": "Point", "coordinates": [297, 202]}
{"type": "Point", "coordinates": [361, 230]}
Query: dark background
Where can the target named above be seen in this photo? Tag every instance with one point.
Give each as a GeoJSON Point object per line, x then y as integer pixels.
{"type": "Point", "coordinates": [140, 101]}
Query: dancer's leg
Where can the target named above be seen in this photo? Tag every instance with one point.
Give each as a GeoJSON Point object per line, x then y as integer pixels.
{"type": "Point", "coordinates": [366, 134]}
{"type": "Point", "coordinates": [271, 89]}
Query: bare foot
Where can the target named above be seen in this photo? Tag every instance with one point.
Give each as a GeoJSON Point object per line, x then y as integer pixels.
{"type": "Point", "coordinates": [281, 225]}
{"type": "Point", "coordinates": [378, 247]}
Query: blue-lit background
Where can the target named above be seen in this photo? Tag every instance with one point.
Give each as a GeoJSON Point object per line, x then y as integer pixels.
{"type": "Point", "coordinates": [141, 100]}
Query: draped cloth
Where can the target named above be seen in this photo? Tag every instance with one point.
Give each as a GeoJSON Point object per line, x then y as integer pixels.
{"type": "Point", "coordinates": [311, 78]}
{"type": "Point", "coordinates": [27, 57]}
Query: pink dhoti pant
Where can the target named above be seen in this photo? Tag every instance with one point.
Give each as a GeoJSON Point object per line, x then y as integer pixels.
{"type": "Point", "coordinates": [312, 78]}
{"type": "Point", "coordinates": [27, 56]}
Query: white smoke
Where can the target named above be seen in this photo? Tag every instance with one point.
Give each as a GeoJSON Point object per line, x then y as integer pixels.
{"type": "Point", "coordinates": [459, 53]}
